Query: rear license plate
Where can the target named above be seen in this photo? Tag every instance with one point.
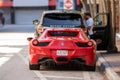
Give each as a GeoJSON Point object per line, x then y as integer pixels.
{"type": "Point", "coordinates": [62, 53]}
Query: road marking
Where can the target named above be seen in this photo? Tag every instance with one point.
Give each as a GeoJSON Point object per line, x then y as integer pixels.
{"type": "Point", "coordinates": [6, 53]}
{"type": "Point", "coordinates": [38, 74]}
{"type": "Point", "coordinates": [27, 58]}
{"type": "Point", "coordinates": [3, 60]}
{"type": "Point", "coordinates": [15, 39]}
{"type": "Point", "coordinates": [86, 76]}
{"type": "Point", "coordinates": [65, 77]}
{"type": "Point", "coordinates": [9, 50]}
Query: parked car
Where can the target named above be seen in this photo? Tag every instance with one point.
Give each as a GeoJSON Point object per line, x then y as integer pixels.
{"type": "Point", "coordinates": [62, 45]}
{"type": "Point", "coordinates": [58, 19]}
{"type": "Point", "coordinates": [104, 34]}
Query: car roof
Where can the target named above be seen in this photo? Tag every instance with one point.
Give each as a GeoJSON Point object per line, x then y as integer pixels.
{"type": "Point", "coordinates": [62, 11]}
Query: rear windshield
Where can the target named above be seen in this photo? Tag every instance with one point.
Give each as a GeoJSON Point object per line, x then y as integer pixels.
{"type": "Point", "coordinates": [63, 33]}
{"type": "Point", "coordinates": [66, 20]}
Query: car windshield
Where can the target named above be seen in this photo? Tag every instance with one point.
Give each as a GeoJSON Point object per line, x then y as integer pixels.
{"type": "Point", "coordinates": [66, 20]}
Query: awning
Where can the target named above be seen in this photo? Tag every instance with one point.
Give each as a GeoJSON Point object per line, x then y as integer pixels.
{"type": "Point", "coordinates": [6, 3]}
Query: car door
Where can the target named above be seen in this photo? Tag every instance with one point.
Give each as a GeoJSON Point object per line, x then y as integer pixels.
{"type": "Point", "coordinates": [101, 30]}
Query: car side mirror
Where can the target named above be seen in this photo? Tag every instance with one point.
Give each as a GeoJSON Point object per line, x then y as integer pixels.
{"type": "Point", "coordinates": [29, 38]}
{"type": "Point", "coordinates": [36, 22]}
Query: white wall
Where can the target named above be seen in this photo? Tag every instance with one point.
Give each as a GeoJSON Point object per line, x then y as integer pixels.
{"type": "Point", "coordinates": [30, 3]}
{"type": "Point", "coordinates": [22, 17]}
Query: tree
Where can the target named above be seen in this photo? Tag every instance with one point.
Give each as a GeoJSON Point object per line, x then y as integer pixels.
{"type": "Point", "coordinates": [95, 7]}
{"type": "Point", "coordinates": [119, 17]}
{"type": "Point", "coordinates": [84, 3]}
{"type": "Point", "coordinates": [111, 9]}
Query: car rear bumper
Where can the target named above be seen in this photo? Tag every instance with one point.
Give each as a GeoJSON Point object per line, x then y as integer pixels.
{"type": "Point", "coordinates": [83, 55]}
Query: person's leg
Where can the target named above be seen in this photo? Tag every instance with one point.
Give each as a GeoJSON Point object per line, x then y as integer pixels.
{"type": "Point", "coordinates": [91, 36]}
{"type": "Point", "coordinates": [3, 21]}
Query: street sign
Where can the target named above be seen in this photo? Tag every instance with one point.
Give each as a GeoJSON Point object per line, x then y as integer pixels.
{"type": "Point", "coordinates": [68, 4]}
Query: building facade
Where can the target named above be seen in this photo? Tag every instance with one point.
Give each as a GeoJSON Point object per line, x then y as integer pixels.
{"type": "Point", "coordinates": [5, 8]}
{"type": "Point", "coordinates": [25, 11]}
{"type": "Point", "coordinates": [22, 11]}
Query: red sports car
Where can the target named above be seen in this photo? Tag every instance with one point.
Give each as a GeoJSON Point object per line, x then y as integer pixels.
{"type": "Point", "coordinates": [62, 46]}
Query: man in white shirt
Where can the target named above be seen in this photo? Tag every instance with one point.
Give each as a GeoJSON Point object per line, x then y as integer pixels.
{"type": "Point", "coordinates": [89, 24]}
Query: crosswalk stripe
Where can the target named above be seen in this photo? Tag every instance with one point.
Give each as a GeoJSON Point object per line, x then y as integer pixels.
{"type": "Point", "coordinates": [3, 60]}
{"type": "Point", "coordinates": [38, 74]}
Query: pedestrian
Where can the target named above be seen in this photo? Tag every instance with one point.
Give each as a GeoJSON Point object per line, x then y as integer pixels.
{"type": "Point", "coordinates": [89, 24]}
{"type": "Point", "coordinates": [2, 19]}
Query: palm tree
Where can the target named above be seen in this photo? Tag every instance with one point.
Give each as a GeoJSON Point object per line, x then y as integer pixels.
{"type": "Point", "coordinates": [91, 8]}
{"type": "Point", "coordinates": [84, 3]}
{"type": "Point", "coordinates": [119, 17]}
{"type": "Point", "coordinates": [95, 7]}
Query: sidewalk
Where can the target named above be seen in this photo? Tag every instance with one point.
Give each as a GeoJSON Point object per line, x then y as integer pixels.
{"type": "Point", "coordinates": [110, 63]}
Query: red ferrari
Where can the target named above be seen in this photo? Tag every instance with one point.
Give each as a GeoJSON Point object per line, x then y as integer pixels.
{"type": "Point", "coordinates": [62, 46]}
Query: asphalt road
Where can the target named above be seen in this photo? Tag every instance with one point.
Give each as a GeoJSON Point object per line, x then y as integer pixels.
{"type": "Point", "coordinates": [14, 59]}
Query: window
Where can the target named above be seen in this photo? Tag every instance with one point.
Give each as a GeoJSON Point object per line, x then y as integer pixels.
{"type": "Point", "coordinates": [65, 20]}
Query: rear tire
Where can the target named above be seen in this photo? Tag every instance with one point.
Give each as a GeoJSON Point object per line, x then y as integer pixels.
{"type": "Point", "coordinates": [91, 68]}
{"type": "Point", "coordinates": [34, 66]}
{"type": "Point", "coordinates": [112, 50]}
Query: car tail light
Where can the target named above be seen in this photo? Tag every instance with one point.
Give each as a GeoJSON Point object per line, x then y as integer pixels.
{"type": "Point", "coordinates": [43, 43]}
{"type": "Point", "coordinates": [81, 44]}
{"type": "Point", "coordinates": [90, 43]}
{"type": "Point", "coordinates": [35, 42]}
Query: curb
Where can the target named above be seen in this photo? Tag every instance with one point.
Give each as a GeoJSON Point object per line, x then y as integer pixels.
{"type": "Point", "coordinates": [104, 66]}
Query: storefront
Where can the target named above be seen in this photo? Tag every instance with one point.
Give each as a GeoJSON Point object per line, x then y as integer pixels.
{"type": "Point", "coordinates": [25, 11]}
{"type": "Point", "coordinates": [5, 8]}
{"type": "Point", "coordinates": [27, 15]}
